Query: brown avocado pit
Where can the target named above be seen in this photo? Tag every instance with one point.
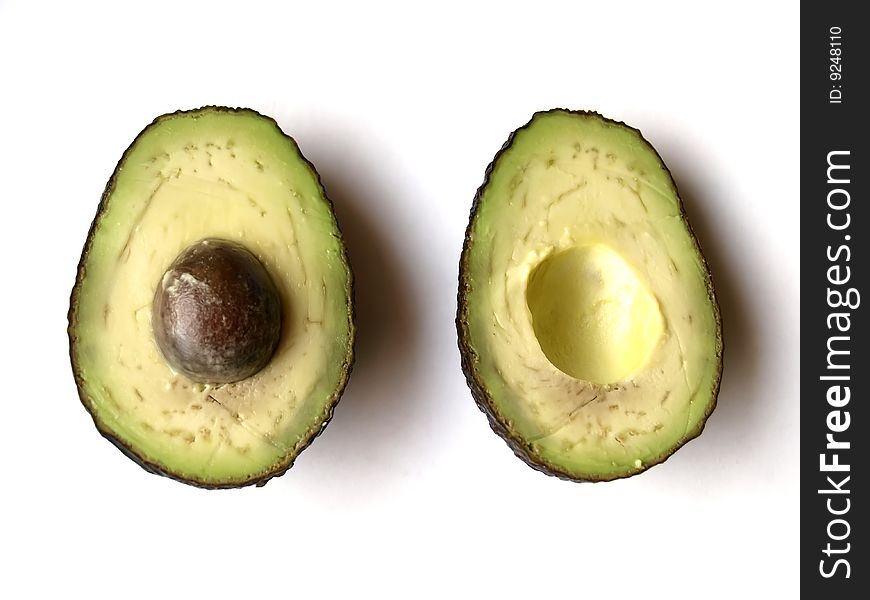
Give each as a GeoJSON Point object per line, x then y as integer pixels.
{"type": "Point", "coordinates": [217, 313]}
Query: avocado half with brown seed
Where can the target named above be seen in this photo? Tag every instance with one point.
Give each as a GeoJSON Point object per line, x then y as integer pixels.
{"type": "Point", "coordinates": [588, 328]}
{"type": "Point", "coordinates": [211, 323]}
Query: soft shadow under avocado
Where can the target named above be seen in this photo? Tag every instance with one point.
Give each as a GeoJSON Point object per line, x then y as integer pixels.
{"type": "Point", "coordinates": [379, 411]}
{"type": "Point", "coordinates": [737, 406]}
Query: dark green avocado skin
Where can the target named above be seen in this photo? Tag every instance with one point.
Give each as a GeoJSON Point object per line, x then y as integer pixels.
{"type": "Point", "coordinates": [132, 453]}
{"type": "Point", "coordinates": [469, 357]}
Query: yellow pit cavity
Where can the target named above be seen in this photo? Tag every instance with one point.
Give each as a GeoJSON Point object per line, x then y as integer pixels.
{"type": "Point", "coordinates": [594, 319]}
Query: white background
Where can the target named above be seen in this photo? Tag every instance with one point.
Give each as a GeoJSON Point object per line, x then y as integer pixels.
{"type": "Point", "coordinates": [408, 494]}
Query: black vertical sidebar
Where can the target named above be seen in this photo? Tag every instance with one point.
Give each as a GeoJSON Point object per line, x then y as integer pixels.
{"type": "Point", "coordinates": [835, 371]}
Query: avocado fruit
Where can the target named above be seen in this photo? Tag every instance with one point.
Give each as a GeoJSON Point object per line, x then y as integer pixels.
{"type": "Point", "coordinates": [588, 328]}
{"type": "Point", "coordinates": [211, 324]}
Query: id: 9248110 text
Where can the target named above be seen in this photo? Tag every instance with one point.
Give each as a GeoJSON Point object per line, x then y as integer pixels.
{"type": "Point", "coordinates": [835, 67]}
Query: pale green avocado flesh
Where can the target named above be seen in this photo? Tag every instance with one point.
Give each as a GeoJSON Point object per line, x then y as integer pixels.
{"type": "Point", "coordinates": [227, 174]}
{"type": "Point", "coordinates": [587, 319]}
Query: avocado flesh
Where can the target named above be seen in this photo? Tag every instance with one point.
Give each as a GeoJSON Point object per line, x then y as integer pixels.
{"type": "Point", "coordinates": [212, 173]}
{"type": "Point", "coordinates": [587, 322]}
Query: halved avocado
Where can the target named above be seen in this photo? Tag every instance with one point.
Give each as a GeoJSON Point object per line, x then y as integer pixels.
{"type": "Point", "coordinates": [587, 323]}
{"type": "Point", "coordinates": [211, 323]}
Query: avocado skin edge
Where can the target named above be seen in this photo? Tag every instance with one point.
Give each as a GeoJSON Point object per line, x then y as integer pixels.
{"type": "Point", "coordinates": [282, 467]}
{"type": "Point", "coordinates": [469, 356]}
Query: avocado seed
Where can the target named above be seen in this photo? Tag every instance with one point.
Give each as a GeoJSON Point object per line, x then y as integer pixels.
{"type": "Point", "coordinates": [216, 313]}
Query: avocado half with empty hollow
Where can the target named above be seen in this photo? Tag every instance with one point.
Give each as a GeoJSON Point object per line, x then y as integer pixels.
{"type": "Point", "coordinates": [588, 327]}
{"type": "Point", "coordinates": [211, 323]}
